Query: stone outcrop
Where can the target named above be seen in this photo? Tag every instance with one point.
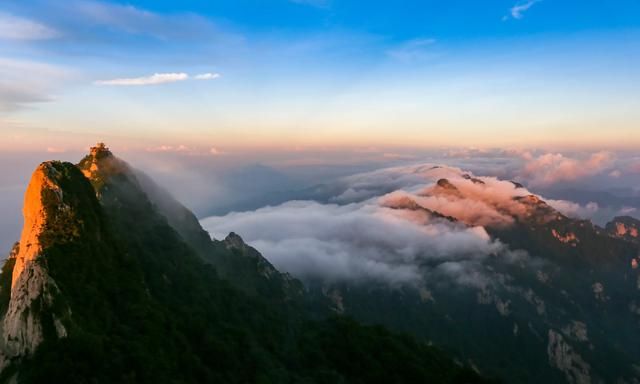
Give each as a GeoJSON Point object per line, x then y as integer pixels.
{"type": "Point", "coordinates": [624, 227]}
{"type": "Point", "coordinates": [563, 357]}
{"type": "Point", "coordinates": [32, 288]}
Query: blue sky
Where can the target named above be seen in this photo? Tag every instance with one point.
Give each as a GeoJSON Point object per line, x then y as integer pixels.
{"type": "Point", "coordinates": [309, 73]}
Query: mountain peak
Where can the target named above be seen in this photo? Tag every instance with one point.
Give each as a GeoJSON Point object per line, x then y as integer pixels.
{"type": "Point", "coordinates": [100, 150]}
{"type": "Point", "coordinates": [624, 227]}
{"type": "Point", "coordinates": [234, 240]}
{"type": "Point", "coordinates": [100, 164]}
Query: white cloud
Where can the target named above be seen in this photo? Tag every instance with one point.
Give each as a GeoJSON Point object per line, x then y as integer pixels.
{"type": "Point", "coordinates": [135, 20]}
{"type": "Point", "coordinates": [169, 148]}
{"type": "Point", "coordinates": [353, 242]}
{"type": "Point", "coordinates": [23, 82]}
{"type": "Point", "coordinates": [575, 210]}
{"type": "Point", "coordinates": [55, 150]}
{"type": "Point", "coordinates": [388, 237]}
{"type": "Point", "coordinates": [518, 10]}
{"type": "Point", "coordinates": [551, 168]}
{"type": "Point", "coordinates": [215, 151]}
{"type": "Point", "coordinates": [207, 76]}
{"type": "Point", "coordinates": [17, 28]}
{"type": "Point", "coordinates": [157, 78]}
{"type": "Point", "coordinates": [413, 50]}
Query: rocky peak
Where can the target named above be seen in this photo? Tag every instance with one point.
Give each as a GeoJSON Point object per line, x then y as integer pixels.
{"type": "Point", "coordinates": [404, 202]}
{"type": "Point", "coordinates": [43, 185]}
{"type": "Point", "coordinates": [444, 187]}
{"type": "Point", "coordinates": [530, 200]}
{"type": "Point", "coordinates": [535, 204]}
{"type": "Point", "coordinates": [624, 227]}
{"type": "Point", "coordinates": [100, 164]}
{"type": "Point", "coordinates": [22, 329]}
{"type": "Point", "coordinates": [446, 184]}
{"type": "Point", "coordinates": [474, 180]}
{"type": "Point", "coordinates": [233, 240]}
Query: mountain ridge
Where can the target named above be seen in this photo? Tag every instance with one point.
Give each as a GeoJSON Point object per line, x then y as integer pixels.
{"type": "Point", "coordinates": [105, 171]}
{"type": "Point", "coordinates": [138, 304]}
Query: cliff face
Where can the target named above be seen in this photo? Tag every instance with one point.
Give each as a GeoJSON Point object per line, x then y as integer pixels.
{"type": "Point", "coordinates": [32, 288]}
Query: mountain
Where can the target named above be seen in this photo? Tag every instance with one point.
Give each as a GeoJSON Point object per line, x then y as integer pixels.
{"type": "Point", "coordinates": [122, 189]}
{"type": "Point", "coordinates": [113, 281]}
{"type": "Point", "coordinates": [624, 227]}
{"type": "Point", "coordinates": [559, 301]}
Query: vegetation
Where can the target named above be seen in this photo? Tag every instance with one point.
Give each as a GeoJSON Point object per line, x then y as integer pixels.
{"type": "Point", "coordinates": [141, 306]}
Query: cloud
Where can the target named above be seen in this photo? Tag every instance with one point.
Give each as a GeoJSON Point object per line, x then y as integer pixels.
{"type": "Point", "coordinates": [215, 151]}
{"type": "Point", "coordinates": [169, 148]}
{"type": "Point", "coordinates": [23, 82]}
{"type": "Point", "coordinates": [575, 210]}
{"type": "Point", "coordinates": [518, 10]}
{"type": "Point", "coordinates": [635, 167]}
{"type": "Point", "coordinates": [472, 200]}
{"type": "Point", "coordinates": [627, 210]}
{"type": "Point", "coordinates": [207, 76]}
{"type": "Point", "coordinates": [551, 168]}
{"type": "Point", "coordinates": [367, 232]}
{"type": "Point", "coordinates": [413, 50]}
{"type": "Point", "coordinates": [156, 78]}
{"type": "Point", "coordinates": [353, 242]}
{"type": "Point", "coordinates": [55, 150]}
{"type": "Point", "coordinates": [138, 21]}
{"type": "Point", "coordinates": [13, 97]}
{"type": "Point", "coordinates": [17, 28]}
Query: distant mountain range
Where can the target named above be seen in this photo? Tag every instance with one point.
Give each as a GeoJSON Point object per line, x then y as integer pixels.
{"type": "Point", "coordinates": [505, 281]}
{"type": "Point", "coordinates": [114, 281]}
{"type": "Point", "coordinates": [561, 304]}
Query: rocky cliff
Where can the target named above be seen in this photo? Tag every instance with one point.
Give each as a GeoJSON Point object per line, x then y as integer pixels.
{"type": "Point", "coordinates": [47, 221]}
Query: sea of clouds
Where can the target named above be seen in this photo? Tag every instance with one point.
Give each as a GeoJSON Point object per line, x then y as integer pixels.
{"type": "Point", "coordinates": [379, 226]}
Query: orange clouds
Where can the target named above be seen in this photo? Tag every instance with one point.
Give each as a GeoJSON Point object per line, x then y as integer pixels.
{"type": "Point", "coordinates": [551, 168]}
{"type": "Point", "coordinates": [481, 201]}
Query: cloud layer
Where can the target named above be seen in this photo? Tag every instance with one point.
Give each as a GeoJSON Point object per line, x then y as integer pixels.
{"type": "Point", "coordinates": [353, 242]}
{"type": "Point", "coordinates": [157, 78]}
{"type": "Point", "coordinates": [23, 82]}
{"type": "Point", "coordinates": [392, 237]}
{"type": "Point", "coordinates": [552, 168]}
{"type": "Point", "coordinates": [17, 28]}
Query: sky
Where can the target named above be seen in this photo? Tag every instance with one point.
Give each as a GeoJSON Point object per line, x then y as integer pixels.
{"type": "Point", "coordinates": [238, 105]}
{"type": "Point", "coordinates": [303, 75]}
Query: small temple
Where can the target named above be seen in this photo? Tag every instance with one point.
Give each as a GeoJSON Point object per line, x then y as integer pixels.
{"type": "Point", "coordinates": [100, 150]}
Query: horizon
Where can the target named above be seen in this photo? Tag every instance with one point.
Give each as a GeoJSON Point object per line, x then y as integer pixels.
{"type": "Point", "coordinates": [592, 185]}
{"type": "Point", "coordinates": [319, 74]}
